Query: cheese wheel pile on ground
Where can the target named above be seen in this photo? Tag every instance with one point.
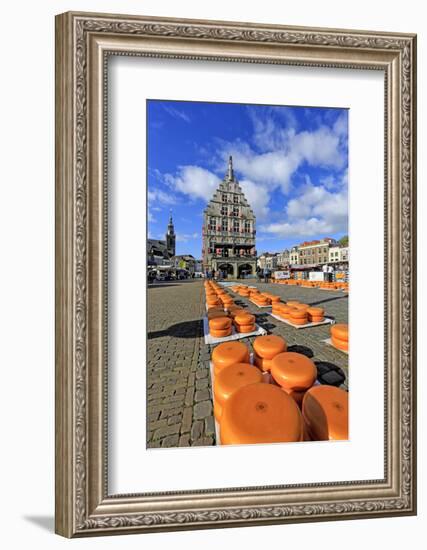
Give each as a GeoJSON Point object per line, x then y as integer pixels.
{"type": "Point", "coordinates": [232, 378]}
{"type": "Point", "coordinates": [229, 353]}
{"type": "Point", "coordinates": [244, 322]}
{"type": "Point", "coordinates": [265, 348]}
{"type": "Point", "coordinates": [325, 413]}
{"type": "Point", "coordinates": [260, 413]}
{"type": "Point", "coordinates": [295, 373]}
{"type": "Point", "coordinates": [339, 336]}
{"type": "Point", "coordinates": [219, 327]}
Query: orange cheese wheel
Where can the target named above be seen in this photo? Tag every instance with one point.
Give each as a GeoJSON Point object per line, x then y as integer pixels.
{"type": "Point", "coordinates": [316, 311]}
{"type": "Point", "coordinates": [220, 333]}
{"type": "Point", "coordinates": [234, 377]}
{"type": "Point", "coordinates": [245, 328]}
{"type": "Point", "coordinates": [285, 312]}
{"type": "Point", "coordinates": [300, 321]}
{"type": "Point", "coordinates": [340, 331]}
{"type": "Point", "coordinates": [302, 307]}
{"type": "Point", "coordinates": [244, 319]}
{"type": "Point", "coordinates": [217, 315]}
{"type": "Point", "coordinates": [269, 345]}
{"type": "Point", "coordinates": [236, 311]}
{"type": "Point", "coordinates": [297, 396]}
{"type": "Point", "coordinates": [261, 363]}
{"type": "Point", "coordinates": [325, 411]}
{"type": "Point", "coordinates": [229, 353]}
{"type": "Point", "coordinates": [298, 313]}
{"type": "Point", "coordinates": [340, 344]}
{"type": "Point", "coordinates": [293, 371]}
{"type": "Point", "coordinates": [220, 323]}
{"type": "Point", "coordinates": [275, 299]}
{"type": "Point", "coordinates": [217, 410]}
{"type": "Point", "coordinates": [260, 413]}
{"type": "Point", "coordinates": [316, 319]}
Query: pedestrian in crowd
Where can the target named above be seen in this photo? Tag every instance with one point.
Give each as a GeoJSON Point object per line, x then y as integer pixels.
{"type": "Point", "coordinates": [266, 275]}
{"type": "Point", "coordinates": [213, 274]}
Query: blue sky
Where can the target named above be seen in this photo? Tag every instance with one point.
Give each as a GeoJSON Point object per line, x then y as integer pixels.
{"type": "Point", "coordinates": [292, 163]}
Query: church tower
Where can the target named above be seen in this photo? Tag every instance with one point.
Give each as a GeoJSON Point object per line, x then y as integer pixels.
{"type": "Point", "coordinates": [171, 237]}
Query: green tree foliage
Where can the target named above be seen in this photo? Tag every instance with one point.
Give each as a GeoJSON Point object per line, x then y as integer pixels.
{"type": "Point", "coordinates": [344, 240]}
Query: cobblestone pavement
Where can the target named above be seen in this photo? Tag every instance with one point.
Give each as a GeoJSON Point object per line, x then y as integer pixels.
{"type": "Point", "coordinates": [179, 392]}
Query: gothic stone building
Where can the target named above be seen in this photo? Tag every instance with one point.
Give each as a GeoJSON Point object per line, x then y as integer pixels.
{"type": "Point", "coordinates": [228, 231]}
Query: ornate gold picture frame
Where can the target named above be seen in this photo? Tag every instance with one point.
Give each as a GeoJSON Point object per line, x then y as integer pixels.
{"type": "Point", "coordinates": [84, 41]}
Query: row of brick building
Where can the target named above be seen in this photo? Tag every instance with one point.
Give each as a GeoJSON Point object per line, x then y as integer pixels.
{"type": "Point", "coordinates": [316, 253]}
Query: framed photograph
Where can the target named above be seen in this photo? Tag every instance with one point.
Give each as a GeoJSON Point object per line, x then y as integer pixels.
{"type": "Point", "coordinates": [235, 274]}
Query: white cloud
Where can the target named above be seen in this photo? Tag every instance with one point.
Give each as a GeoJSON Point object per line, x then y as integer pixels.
{"type": "Point", "coordinates": [257, 196]}
{"type": "Point", "coordinates": [194, 181]}
{"type": "Point", "coordinates": [184, 237]}
{"type": "Point", "coordinates": [176, 113]}
{"type": "Point", "coordinates": [159, 196]}
{"type": "Point", "coordinates": [316, 211]}
{"type": "Point", "coordinates": [282, 150]}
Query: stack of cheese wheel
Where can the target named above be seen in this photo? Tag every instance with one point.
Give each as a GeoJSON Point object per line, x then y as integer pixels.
{"type": "Point", "coordinates": [274, 299]}
{"type": "Point", "coordinates": [260, 413]}
{"type": "Point", "coordinates": [244, 291]}
{"type": "Point", "coordinates": [266, 348]}
{"type": "Point", "coordinates": [244, 322]}
{"type": "Point", "coordinates": [339, 336]}
{"type": "Point", "coordinates": [276, 306]}
{"type": "Point", "coordinates": [216, 312]}
{"type": "Point", "coordinates": [294, 372]}
{"type": "Point", "coordinates": [220, 327]}
{"type": "Point", "coordinates": [230, 379]}
{"type": "Point", "coordinates": [298, 315]}
{"type": "Point", "coordinates": [316, 314]}
{"type": "Point", "coordinates": [229, 353]}
{"type": "Point", "coordinates": [227, 300]}
{"type": "Point", "coordinates": [260, 300]}
{"type": "Point", "coordinates": [325, 413]}
{"type": "Point", "coordinates": [285, 311]}
{"type": "Point", "coordinates": [235, 310]}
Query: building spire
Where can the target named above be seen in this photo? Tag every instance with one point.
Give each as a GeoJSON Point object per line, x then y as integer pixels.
{"type": "Point", "coordinates": [170, 225]}
{"type": "Point", "coordinates": [230, 168]}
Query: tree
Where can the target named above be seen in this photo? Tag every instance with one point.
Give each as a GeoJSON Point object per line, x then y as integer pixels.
{"type": "Point", "coordinates": [343, 241]}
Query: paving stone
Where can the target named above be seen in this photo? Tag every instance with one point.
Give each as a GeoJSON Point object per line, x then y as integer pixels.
{"type": "Point", "coordinates": [175, 419]}
{"type": "Point", "coordinates": [196, 429]}
{"type": "Point", "coordinates": [166, 430]}
{"type": "Point", "coordinates": [170, 441]}
{"type": "Point", "coordinates": [187, 419]}
{"type": "Point", "coordinates": [210, 425]}
{"type": "Point", "coordinates": [202, 409]}
{"type": "Point", "coordinates": [189, 396]}
{"type": "Point", "coordinates": [203, 442]}
{"type": "Point", "coordinates": [157, 424]}
{"type": "Point", "coordinates": [202, 373]}
{"type": "Point", "coordinates": [201, 395]}
{"type": "Point", "coordinates": [184, 441]}
{"type": "Point", "coordinates": [202, 383]}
